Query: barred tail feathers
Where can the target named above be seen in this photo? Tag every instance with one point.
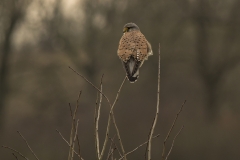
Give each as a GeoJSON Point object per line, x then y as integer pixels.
{"type": "Point", "coordinates": [132, 69]}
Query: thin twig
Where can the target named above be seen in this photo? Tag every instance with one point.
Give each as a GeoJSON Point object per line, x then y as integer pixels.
{"type": "Point", "coordinates": [91, 84]}
{"type": "Point", "coordinates": [146, 151]}
{"type": "Point", "coordinates": [28, 145]}
{"type": "Point", "coordinates": [68, 144]}
{"type": "Point", "coordinates": [105, 142]}
{"type": "Point", "coordinates": [111, 154]}
{"type": "Point", "coordinates": [97, 120]}
{"type": "Point", "coordinates": [70, 147]}
{"type": "Point", "coordinates": [70, 140]}
{"type": "Point", "coordinates": [73, 129]}
{"type": "Point", "coordinates": [157, 110]}
{"type": "Point", "coordinates": [75, 137]}
{"type": "Point", "coordinates": [15, 151]}
{"type": "Point", "coordinates": [112, 140]}
{"type": "Point", "coordinates": [15, 156]}
{"type": "Point", "coordinates": [139, 146]}
{"type": "Point", "coordinates": [173, 143]}
{"type": "Point", "coordinates": [164, 143]}
{"type": "Point", "coordinates": [110, 148]}
{"type": "Point", "coordinates": [62, 137]}
{"type": "Point", "coordinates": [79, 150]}
{"type": "Point", "coordinates": [70, 108]}
{"type": "Point", "coordinates": [114, 122]}
{"type": "Point", "coordinates": [111, 114]}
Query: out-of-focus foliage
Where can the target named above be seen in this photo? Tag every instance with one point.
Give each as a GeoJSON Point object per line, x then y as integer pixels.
{"type": "Point", "coordinates": [199, 62]}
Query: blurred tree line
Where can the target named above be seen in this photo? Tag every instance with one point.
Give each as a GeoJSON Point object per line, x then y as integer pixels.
{"type": "Point", "coordinates": [199, 40]}
{"type": "Point", "coordinates": [204, 32]}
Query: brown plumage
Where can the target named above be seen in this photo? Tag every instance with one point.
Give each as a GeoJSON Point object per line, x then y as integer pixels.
{"type": "Point", "coordinates": [133, 50]}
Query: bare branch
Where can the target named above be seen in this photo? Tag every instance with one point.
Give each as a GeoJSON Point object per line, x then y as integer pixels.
{"type": "Point", "coordinates": [69, 144]}
{"type": "Point", "coordinates": [28, 145]}
{"type": "Point", "coordinates": [111, 115]}
{"type": "Point", "coordinates": [75, 137]}
{"type": "Point", "coordinates": [73, 129]}
{"type": "Point", "coordinates": [15, 151]}
{"type": "Point", "coordinates": [112, 140]}
{"type": "Point", "coordinates": [97, 120]}
{"type": "Point", "coordinates": [62, 137]}
{"type": "Point", "coordinates": [157, 111]}
{"type": "Point", "coordinates": [111, 154]}
{"type": "Point", "coordinates": [173, 143]}
{"type": "Point", "coordinates": [146, 151]}
{"type": "Point", "coordinates": [70, 141]}
{"type": "Point", "coordinates": [164, 143]}
{"type": "Point", "coordinates": [76, 133]}
{"type": "Point", "coordinates": [91, 84]}
{"type": "Point", "coordinates": [139, 146]}
{"type": "Point", "coordinates": [15, 156]}
{"type": "Point", "coordinates": [79, 150]}
{"type": "Point", "coordinates": [110, 148]}
{"type": "Point", "coordinates": [114, 122]}
{"type": "Point", "coordinates": [70, 107]}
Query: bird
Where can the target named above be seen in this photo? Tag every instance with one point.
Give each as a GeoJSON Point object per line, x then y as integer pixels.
{"type": "Point", "coordinates": [133, 50]}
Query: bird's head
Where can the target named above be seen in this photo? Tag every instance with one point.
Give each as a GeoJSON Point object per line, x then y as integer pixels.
{"type": "Point", "coordinates": [130, 27]}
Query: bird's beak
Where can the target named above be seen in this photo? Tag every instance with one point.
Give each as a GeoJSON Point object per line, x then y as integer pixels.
{"type": "Point", "coordinates": [125, 29]}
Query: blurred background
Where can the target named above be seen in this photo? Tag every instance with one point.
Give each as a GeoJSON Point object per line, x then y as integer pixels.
{"type": "Point", "coordinates": [200, 63]}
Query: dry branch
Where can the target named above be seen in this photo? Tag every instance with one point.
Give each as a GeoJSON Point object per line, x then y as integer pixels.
{"type": "Point", "coordinates": [15, 156]}
{"type": "Point", "coordinates": [112, 141]}
{"type": "Point", "coordinates": [28, 145]}
{"type": "Point", "coordinates": [139, 146]}
{"type": "Point", "coordinates": [157, 111]}
{"type": "Point", "coordinates": [97, 120]}
{"type": "Point", "coordinates": [73, 129]}
{"type": "Point", "coordinates": [173, 143]}
{"type": "Point", "coordinates": [79, 151]}
{"type": "Point", "coordinates": [91, 84]}
{"type": "Point", "coordinates": [69, 144]}
{"type": "Point", "coordinates": [111, 114]}
{"type": "Point", "coordinates": [164, 143]}
{"type": "Point", "coordinates": [111, 154]}
{"type": "Point", "coordinates": [15, 151]}
{"type": "Point", "coordinates": [110, 148]}
{"type": "Point", "coordinates": [75, 137]}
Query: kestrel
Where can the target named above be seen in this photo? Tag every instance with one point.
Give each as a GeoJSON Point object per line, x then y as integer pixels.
{"type": "Point", "coordinates": [133, 50]}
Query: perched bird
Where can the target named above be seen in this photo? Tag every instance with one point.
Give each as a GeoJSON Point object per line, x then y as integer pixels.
{"type": "Point", "coordinates": [133, 50]}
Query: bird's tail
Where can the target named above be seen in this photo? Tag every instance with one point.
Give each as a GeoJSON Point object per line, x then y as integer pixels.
{"type": "Point", "coordinates": [132, 69]}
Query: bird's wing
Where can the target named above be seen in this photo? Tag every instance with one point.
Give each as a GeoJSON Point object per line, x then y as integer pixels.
{"type": "Point", "coordinates": [133, 50]}
{"type": "Point", "coordinates": [133, 44]}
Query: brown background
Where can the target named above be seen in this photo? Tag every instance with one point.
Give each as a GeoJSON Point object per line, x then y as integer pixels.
{"type": "Point", "coordinates": [199, 62]}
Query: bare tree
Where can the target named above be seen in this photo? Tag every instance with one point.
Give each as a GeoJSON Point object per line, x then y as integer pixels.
{"type": "Point", "coordinates": [100, 154]}
{"type": "Point", "coordinates": [11, 13]}
{"type": "Point", "coordinates": [210, 71]}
